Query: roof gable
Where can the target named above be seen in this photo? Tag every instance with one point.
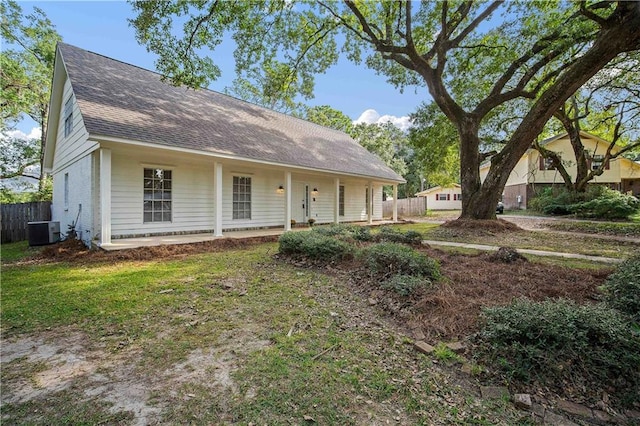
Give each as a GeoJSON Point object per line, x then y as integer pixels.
{"type": "Point", "coordinates": [123, 101]}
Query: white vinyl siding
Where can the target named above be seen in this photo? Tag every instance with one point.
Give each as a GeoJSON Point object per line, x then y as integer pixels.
{"type": "Point", "coordinates": [75, 144]}
{"type": "Point", "coordinates": [191, 198]}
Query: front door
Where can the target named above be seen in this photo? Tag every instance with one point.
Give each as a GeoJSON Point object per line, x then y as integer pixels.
{"type": "Point", "coordinates": [300, 208]}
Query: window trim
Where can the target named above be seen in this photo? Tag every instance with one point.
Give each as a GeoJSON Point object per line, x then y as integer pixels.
{"type": "Point", "coordinates": [441, 196]}
{"type": "Point", "coordinates": [68, 116]}
{"type": "Point", "coordinates": [546, 163]}
{"type": "Point", "coordinates": [235, 204]}
{"type": "Point", "coordinates": [163, 191]}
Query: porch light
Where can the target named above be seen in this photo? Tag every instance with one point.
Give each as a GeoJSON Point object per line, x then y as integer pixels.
{"type": "Point", "coordinates": [315, 191]}
{"type": "Point", "coordinates": [280, 190]}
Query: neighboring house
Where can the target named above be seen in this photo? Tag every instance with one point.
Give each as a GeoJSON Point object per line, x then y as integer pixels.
{"type": "Point", "coordinates": [439, 198]}
{"type": "Point", "coordinates": [532, 173]}
{"type": "Point", "coordinates": [132, 156]}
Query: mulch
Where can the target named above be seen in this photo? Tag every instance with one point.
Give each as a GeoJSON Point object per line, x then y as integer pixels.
{"type": "Point", "coordinates": [449, 310]}
{"type": "Point", "coordinates": [75, 251]}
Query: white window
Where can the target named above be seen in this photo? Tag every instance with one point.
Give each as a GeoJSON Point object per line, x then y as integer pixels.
{"type": "Point", "coordinates": [66, 191]}
{"type": "Point", "coordinates": [68, 116]}
{"type": "Point", "coordinates": [241, 197]}
{"type": "Point", "coordinates": [157, 195]}
{"type": "Point", "coordinates": [546, 163]}
{"type": "Point", "coordinates": [596, 162]}
{"type": "Point", "coordinates": [457, 197]}
{"type": "Point", "coordinates": [443, 197]}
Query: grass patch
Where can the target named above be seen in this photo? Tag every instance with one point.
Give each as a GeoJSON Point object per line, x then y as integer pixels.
{"type": "Point", "coordinates": [12, 252]}
{"type": "Point", "coordinates": [291, 342]}
{"type": "Point", "coordinates": [537, 240]}
{"type": "Point", "coordinates": [63, 408]}
{"type": "Point", "coordinates": [625, 229]}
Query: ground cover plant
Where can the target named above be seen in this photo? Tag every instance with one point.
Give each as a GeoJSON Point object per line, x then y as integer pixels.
{"type": "Point", "coordinates": [564, 345]}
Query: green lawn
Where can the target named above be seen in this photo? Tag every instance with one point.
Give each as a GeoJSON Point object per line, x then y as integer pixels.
{"type": "Point", "coordinates": [537, 240]}
{"type": "Point", "coordinates": [256, 341]}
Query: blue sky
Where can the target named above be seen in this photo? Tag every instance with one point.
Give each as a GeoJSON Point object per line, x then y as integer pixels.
{"type": "Point", "coordinates": [102, 27]}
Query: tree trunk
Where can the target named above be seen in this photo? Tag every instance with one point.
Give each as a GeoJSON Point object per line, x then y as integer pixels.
{"type": "Point", "coordinates": [478, 202]}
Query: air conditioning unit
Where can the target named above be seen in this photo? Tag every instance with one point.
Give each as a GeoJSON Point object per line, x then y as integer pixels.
{"type": "Point", "coordinates": [42, 233]}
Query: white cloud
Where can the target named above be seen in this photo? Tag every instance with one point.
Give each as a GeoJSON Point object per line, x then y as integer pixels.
{"type": "Point", "coordinates": [33, 134]}
{"type": "Point", "coordinates": [372, 116]}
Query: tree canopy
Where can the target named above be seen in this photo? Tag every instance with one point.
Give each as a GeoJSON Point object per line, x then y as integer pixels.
{"type": "Point", "coordinates": [26, 70]}
{"type": "Point", "coordinates": [607, 106]}
{"type": "Point", "coordinates": [516, 55]}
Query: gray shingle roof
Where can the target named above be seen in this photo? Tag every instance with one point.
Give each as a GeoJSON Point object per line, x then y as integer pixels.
{"type": "Point", "coordinates": [125, 101]}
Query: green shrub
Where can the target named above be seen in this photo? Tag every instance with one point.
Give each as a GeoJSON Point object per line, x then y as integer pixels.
{"type": "Point", "coordinates": [597, 202]}
{"type": "Point", "coordinates": [558, 200]}
{"type": "Point", "coordinates": [335, 229]}
{"type": "Point", "coordinates": [314, 246]}
{"type": "Point", "coordinates": [622, 288]}
{"type": "Point", "coordinates": [404, 284]}
{"type": "Point", "coordinates": [291, 243]}
{"type": "Point", "coordinates": [362, 233]}
{"type": "Point", "coordinates": [394, 258]}
{"type": "Point", "coordinates": [559, 342]}
{"type": "Point", "coordinates": [609, 204]}
{"type": "Point", "coordinates": [393, 235]}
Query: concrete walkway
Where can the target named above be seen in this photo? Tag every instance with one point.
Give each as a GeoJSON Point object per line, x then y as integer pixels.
{"type": "Point", "coordinates": [525, 251]}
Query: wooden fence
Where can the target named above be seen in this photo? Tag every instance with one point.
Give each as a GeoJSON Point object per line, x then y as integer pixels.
{"type": "Point", "coordinates": [406, 207]}
{"type": "Point", "coordinates": [16, 216]}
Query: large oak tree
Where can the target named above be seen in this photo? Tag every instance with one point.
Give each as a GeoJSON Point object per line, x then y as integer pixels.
{"type": "Point", "coordinates": [517, 54]}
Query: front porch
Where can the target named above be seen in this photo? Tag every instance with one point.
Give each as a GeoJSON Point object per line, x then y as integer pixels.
{"type": "Point", "coordinates": [131, 243]}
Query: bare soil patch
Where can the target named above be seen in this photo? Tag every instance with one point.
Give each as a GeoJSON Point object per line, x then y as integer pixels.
{"type": "Point", "coordinates": [76, 251]}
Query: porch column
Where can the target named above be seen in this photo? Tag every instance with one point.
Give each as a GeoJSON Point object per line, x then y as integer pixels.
{"type": "Point", "coordinates": [336, 201]}
{"type": "Point", "coordinates": [395, 203]}
{"type": "Point", "coordinates": [370, 189]}
{"type": "Point", "coordinates": [105, 196]}
{"type": "Point", "coordinates": [217, 199]}
{"type": "Point", "coordinates": [287, 201]}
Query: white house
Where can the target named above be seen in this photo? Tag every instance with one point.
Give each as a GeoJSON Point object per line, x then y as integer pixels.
{"type": "Point", "coordinates": [443, 198]}
{"type": "Point", "coordinates": [132, 156]}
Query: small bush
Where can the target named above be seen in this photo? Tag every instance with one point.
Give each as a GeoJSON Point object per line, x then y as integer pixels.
{"type": "Point", "coordinates": [335, 229]}
{"type": "Point", "coordinates": [394, 258]}
{"type": "Point", "coordinates": [609, 204]}
{"type": "Point", "coordinates": [396, 236]}
{"type": "Point", "coordinates": [557, 342]}
{"type": "Point", "coordinates": [622, 288]}
{"type": "Point", "coordinates": [362, 233]}
{"type": "Point", "coordinates": [314, 246]}
{"type": "Point", "coordinates": [405, 285]}
{"type": "Point", "coordinates": [597, 202]}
